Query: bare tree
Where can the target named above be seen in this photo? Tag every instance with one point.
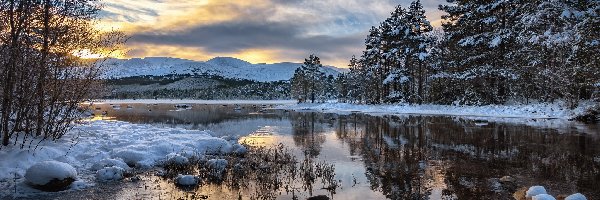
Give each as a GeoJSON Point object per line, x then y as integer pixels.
{"type": "Point", "coordinates": [43, 82]}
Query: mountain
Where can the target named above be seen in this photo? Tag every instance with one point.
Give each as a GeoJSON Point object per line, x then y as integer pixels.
{"type": "Point", "coordinates": [226, 67]}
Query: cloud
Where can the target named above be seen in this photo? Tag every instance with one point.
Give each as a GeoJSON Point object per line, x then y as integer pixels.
{"type": "Point", "coordinates": [260, 30]}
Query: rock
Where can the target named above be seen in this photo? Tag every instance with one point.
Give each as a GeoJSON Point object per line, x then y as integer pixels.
{"type": "Point", "coordinates": [217, 167]}
{"type": "Point", "coordinates": [51, 176]}
{"type": "Point", "coordinates": [187, 180]}
{"type": "Point", "coordinates": [217, 164]}
{"type": "Point", "coordinates": [239, 149]}
{"type": "Point", "coordinates": [319, 197]}
{"type": "Point", "coordinates": [110, 174]}
{"type": "Point", "coordinates": [576, 196]}
{"type": "Point", "coordinates": [535, 190]}
{"type": "Point", "coordinates": [176, 159]}
{"type": "Point", "coordinates": [508, 183]}
{"type": "Point", "coordinates": [543, 197]}
{"type": "Point", "coordinates": [520, 194]}
{"type": "Point", "coordinates": [507, 179]}
{"type": "Point", "coordinates": [135, 179]}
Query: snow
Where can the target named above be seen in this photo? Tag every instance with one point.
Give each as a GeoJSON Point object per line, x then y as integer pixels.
{"type": "Point", "coordinates": [187, 180]}
{"type": "Point", "coordinates": [496, 41]}
{"type": "Point", "coordinates": [576, 196]}
{"type": "Point", "coordinates": [110, 174]}
{"type": "Point", "coordinates": [46, 171]}
{"type": "Point", "coordinates": [535, 190]}
{"type": "Point", "coordinates": [239, 149]}
{"type": "Point", "coordinates": [110, 163]}
{"type": "Point", "coordinates": [98, 145]}
{"type": "Point", "coordinates": [532, 111]}
{"type": "Point", "coordinates": [177, 159]}
{"type": "Point", "coordinates": [543, 197]}
{"type": "Point", "coordinates": [221, 66]}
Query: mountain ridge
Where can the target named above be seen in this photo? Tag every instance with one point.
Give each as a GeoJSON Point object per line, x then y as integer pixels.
{"type": "Point", "coordinates": [228, 67]}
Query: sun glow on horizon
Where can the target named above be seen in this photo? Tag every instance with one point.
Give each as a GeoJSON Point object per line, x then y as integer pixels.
{"type": "Point", "coordinates": [88, 54]}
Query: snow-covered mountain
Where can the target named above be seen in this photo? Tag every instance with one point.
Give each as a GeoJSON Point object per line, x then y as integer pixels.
{"type": "Point", "coordinates": [222, 66]}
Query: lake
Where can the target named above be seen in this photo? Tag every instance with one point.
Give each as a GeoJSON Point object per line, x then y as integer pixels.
{"type": "Point", "coordinates": [376, 157]}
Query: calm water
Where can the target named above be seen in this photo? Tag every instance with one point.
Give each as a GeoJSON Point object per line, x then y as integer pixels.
{"type": "Point", "coordinates": [393, 157]}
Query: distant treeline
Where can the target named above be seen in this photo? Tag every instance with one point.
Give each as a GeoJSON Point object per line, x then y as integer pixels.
{"type": "Point", "coordinates": [222, 88]}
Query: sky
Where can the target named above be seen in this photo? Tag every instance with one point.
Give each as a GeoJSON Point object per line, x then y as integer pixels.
{"type": "Point", "coordinates": [258, 31]}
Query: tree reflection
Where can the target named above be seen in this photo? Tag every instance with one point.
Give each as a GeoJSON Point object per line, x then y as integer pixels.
{"type": "Point", "coordinates": [307, 133]}
{"type": "Point", "coordinates": [413, 157]}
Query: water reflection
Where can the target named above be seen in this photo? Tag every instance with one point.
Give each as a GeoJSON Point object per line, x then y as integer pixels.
{"type": "Point", "coordinates": [409, 157]}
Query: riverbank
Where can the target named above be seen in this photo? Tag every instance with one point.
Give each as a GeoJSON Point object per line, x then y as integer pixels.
{"type": "Point", "coordinates": [529, 111]}
{"type": "Point", "coordinates": [97, 142]}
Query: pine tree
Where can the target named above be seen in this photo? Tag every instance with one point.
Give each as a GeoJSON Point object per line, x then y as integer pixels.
{"type": "Point", "coordinates": [309, 81]}
{"type": "Point", "coordinates": [355, 80]}
{"type": "Point", "coordinates": [299, 86]}
{"type": "Point", "coordinates": [480, 33]}
{"type": "Point", "coordinates": [372, 61]}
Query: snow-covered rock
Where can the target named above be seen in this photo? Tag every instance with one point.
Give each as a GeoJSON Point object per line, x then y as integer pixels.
{"type": "Point", "coordinates": [110, 174]}
{"type": "Point", "coordinates": [576, 196]}
{"type": "Point", "coordinates": [176, 159]}
{"type": "Point", "coordinates": [239, 149]}
{"type": "Point", "coordinates": [187, 180]}
{"type": "Point", "coordinates": [217, 167]}
{"type": "Point", "coordinates": [543, 197]}
{"type": "Point", "coordinates": [217, 164]}
{"type": "Point", "coordinates": [110, 163]}
{"type": "Point", "coordinates": [214, 146]}
{"type": "Point", "coordinates": [51, 175]}
{"type": "Point", "coordinates": [535, 190]}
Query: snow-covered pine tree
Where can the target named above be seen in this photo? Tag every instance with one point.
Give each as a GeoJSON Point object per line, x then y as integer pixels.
{"type": "Point", "coordinates": [394, 32]}
{"type": "Point", "coordinates": [481, 35]}
{"type": "Point", "coordinates": [550, 39]}
{"type": "Point", "coordinates": [371, 60]}
{"type": "Point", "coordinates": [418, 46]}
{"type": "Point", "coordinates": [309, 80]}
{"type": "Point", "coordinates": [341, 84]}
{"type": "Point", "coordinates": [437, 81]}
{"type": "Point", "coordinates": [355, 80]}
{"type": "Point", "coordinates": [299, 85]}
{"type": "Point", "coordinates": [588, 47]}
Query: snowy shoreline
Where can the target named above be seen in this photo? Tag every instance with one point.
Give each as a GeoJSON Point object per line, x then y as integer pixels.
{"type": "Point", "coordinates": [98, 142]}
{"type": "Point", "coordinates": [530, 111]}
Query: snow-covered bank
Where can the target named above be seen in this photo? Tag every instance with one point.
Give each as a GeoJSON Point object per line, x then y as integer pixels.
{"type": "Point", "coordinates": [532, 111]}
{"type": "Point", "coordinates": [95, 142]}
{"type": "Point", "coordinates": [193, 101]}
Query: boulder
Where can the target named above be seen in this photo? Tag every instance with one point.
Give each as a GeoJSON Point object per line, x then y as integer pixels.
{"type": "Point", "coordinates": [51, 176]}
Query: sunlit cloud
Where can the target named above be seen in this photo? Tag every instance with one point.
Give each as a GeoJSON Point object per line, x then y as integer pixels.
{"type": "Point", "coordinates": [259, 31]}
